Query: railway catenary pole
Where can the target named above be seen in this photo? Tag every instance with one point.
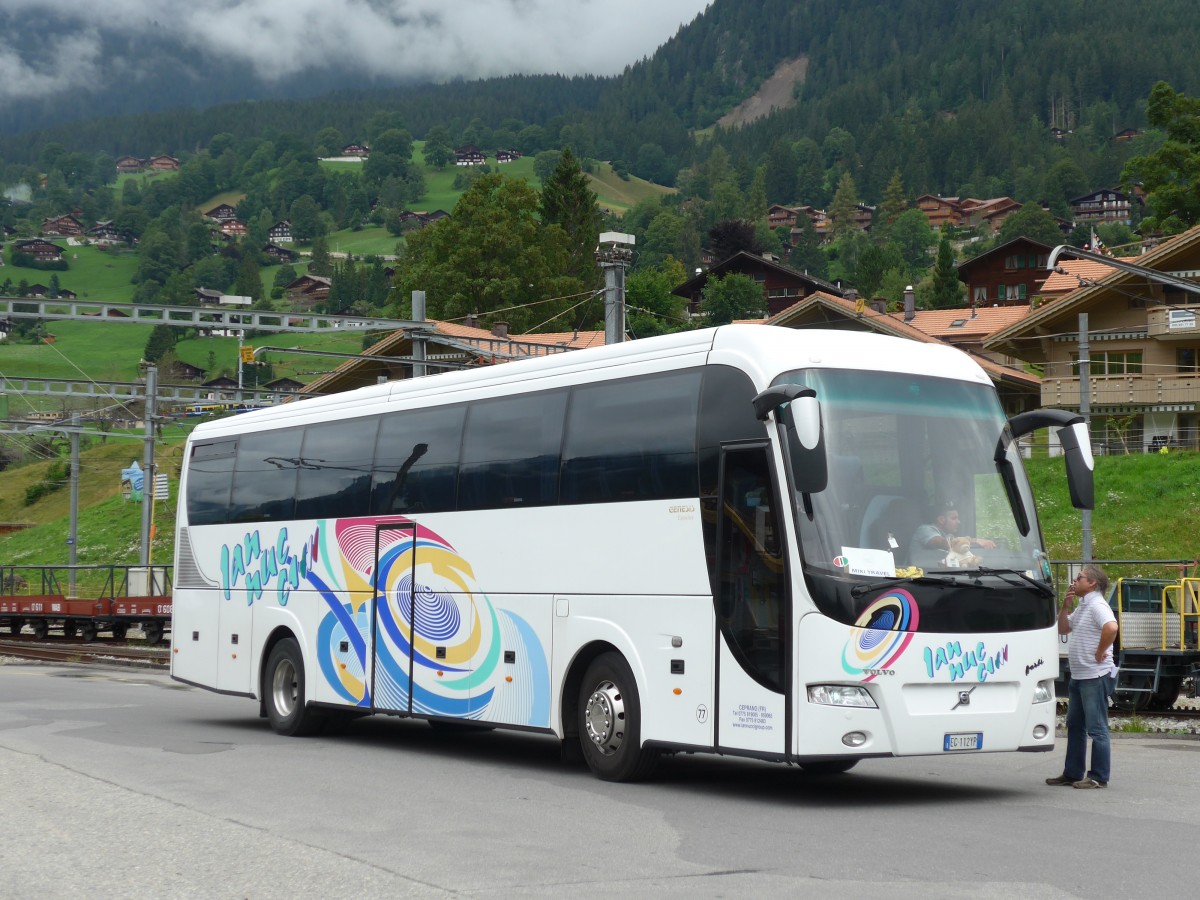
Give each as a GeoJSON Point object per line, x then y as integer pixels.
{"type": "Point", "coordinates": [613, 255]}
{"type": "Point", "coordinates": [1085, 410]}
{"type": "Point", "coordinates": [73, 534]}
{"type": "Point", "coordinates": [149, 415]}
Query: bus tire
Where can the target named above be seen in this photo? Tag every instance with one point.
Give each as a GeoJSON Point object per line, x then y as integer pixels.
{"type": "Point", "coordinates": [284, 691]}
{"type": "Point", "coordinates": [828, 766]}
{"type": "Point", "coordinates": [610, 715]}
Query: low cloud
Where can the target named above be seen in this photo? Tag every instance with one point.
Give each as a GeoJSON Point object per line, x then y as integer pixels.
{"type": "Point", "coordinates": [79, 43]}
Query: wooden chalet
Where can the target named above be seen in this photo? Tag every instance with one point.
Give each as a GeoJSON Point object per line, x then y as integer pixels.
{"type": "Point", "coordinates": [108, 233]}
{"type": "Point", "coordinates": [128, 165]}
{"type": "Point", "coordinates": [62, 226]}
{"type": "Point", "coordinates": [162, 163]}
{"type": "Point", "coordinates": [1018, 390]}
{"type": "Point", "coordinates": [186, 371]}
{"type": "Point", "coordinates": [939, 211]}
{"type": "Point", "coordinates": [280, 254]}
{"type": "Point", "coordinates": [1126, 134]}
{"type": "Point", "coordinates": [308, 291]}
{"type": "Point", "coordinates": [986, 213]}
{"type": "Point", "coordinates": [207, 296]}
{"type": "Point", "coordinates": [1008, 275]}
{"type": "Point", "coordinates": [507, 156]}
{"type": "Point", "coordinates": [360, 150]}
{"type": "Point", "coordinates": [782, 286]}
{"type": "Point", "coordinates": [469, 155]}
{"type": "Point", "coordinates": [284, 385]}
{"type": "Point", "coordinates": [280, 232]}
{"type": "Point", "coordinates": [39, 249]}
{"type": "Point", "coordinates": [1109, 206]}
{"type": "Point", "coordinates": [1143, 346]}
{"type": "Point", "coordinates": [463, 344]}
{"type": "Point", "coordinates": [233, 229]}
{"type": "Point", "coordinates": [780, 216]}
{"type": "Point", "coordinates": [222, 212]}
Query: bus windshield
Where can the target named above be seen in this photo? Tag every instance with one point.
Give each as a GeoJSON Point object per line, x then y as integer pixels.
{"type": "Point", "coordinates": [912, 472]}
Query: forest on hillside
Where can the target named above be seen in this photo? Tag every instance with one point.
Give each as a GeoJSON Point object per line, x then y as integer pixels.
{"type": "Point", "coordinates": [901, 98]}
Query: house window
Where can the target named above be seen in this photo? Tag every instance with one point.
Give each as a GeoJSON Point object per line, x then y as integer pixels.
{"type": "Point", "coordinates": [1112, 362]}
{"type": "Point", "coordinates": [1187, 359]}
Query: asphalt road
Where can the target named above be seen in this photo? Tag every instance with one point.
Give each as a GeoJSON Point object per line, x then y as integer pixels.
{"type": "Point", "coordinates": [116, 783]}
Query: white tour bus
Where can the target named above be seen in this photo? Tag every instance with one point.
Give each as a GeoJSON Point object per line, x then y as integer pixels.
{"type": "Point", "coordinates": [699, 542]}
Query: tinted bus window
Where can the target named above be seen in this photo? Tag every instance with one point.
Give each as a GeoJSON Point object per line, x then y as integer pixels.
{"type": "Point", "coordinates": [264, 478]}
{"type": "Point", "coordinates": [633, 439]}
{"type": "Point", "coordinates": [510, 452]}
{"type": "Point", "coordinates": [334, 478]}
{"type": "Point", "coordinates": [416, 461]}
{"type": "Point", "coordinates": [210, 476]}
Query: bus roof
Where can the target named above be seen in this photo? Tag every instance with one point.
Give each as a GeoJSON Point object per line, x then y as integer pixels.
{"type": "Point", "coordinates": [762, 351]}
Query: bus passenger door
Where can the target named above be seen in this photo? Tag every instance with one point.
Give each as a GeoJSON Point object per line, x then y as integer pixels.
{"type": "Point", "coordinates": [753, 606]}
{"type": "Point", "coordinates": [424, 632]}
{"type": "Point", "coordinates": [392, 576]}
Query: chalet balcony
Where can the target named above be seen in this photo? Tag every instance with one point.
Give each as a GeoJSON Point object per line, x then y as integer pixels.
{"type": "Point", "coordinates": [1166, 392]}
{"type": "Point", "coordinates": [1174, 322]}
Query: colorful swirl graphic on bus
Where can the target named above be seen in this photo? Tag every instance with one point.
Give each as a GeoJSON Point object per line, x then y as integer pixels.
{"type": "Point", "coordinates": [438, 640]}
{"type": "Point", "coordinates": [881, 634]}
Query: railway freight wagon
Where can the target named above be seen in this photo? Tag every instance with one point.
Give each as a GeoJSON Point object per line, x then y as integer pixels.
{"type": "Point", "coordinates": [96, 599]}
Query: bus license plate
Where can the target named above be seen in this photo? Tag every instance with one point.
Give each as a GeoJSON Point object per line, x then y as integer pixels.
{"type": "Point", "coordinates": [971, 740]}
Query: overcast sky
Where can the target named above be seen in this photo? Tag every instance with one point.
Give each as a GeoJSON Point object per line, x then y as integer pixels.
{"type": "Point", "coordinates": [434, 39]}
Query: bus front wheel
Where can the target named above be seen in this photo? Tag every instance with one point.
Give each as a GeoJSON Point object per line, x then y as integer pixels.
{"type": "Point", "coordinates": [610, 721]}
{"type": "Point", "coordinates": [283, 688]}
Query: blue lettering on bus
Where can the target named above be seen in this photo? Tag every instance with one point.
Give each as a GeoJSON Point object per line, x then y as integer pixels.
{"type": "Point", "coordinates": [960, 663]}
{"type": "Point", "coordinates": [248, 564]}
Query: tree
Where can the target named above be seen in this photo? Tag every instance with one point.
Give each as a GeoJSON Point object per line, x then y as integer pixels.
{"type": "Point", "coordinates": [911, 234]}
{"type": "Point", "coordinates": [893, 204]}
{"type": "Point", "coordinates": [160, 342]}
{"type": "Point", "coordinates": [735, 296]}
{"type": "Point", "coordinates": [844, 209]}
{"type": "Point", "coordinates": [1033, 222]}
{"type": "Point", "coordinates": [1171, 174]}
{"type": "Point", "coordinates": [492, 256]}
{"type": "Point", "coordinates": [731, 236]}
{"type": "Point", "coordinates": [320, 263]}
{"type": "Point", "coordinates": [438, 152]}
{"type": "Point", "coordinates": [782, 167]}
{"type": "Point", "coordinates": [651, 308]}
{"type": "Point", "coordinates": [873, 263]}
{"type": "Point", "coordinates": [248, 282]}
{"type": "Point", "coordinates": [568, 202]}
{"type": "Point", "coordinates": [947, 290]}
{"type": "Point", "coordinates": [305, 217]}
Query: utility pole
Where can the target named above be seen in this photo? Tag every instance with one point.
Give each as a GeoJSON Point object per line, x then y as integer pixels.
{"type": "Point", "coordinates": [613, 255]}
{"type": "Point", "coordinates": [1085, 409]}
{"type": "Point", "coordinates": [73, 533]}
{"type": "Point", "coordinates": [150, 415]}
{"type": "Point", "coordinates": [418, 336]}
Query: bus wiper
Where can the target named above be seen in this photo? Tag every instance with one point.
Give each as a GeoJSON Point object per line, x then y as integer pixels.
{"type": "Point", "coordinates": [859, 589]}
{"type": "Point", "coordinates": [1009, 574]}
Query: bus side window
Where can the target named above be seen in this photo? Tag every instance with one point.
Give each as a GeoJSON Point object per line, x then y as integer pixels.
{"type": "Point", "coordinates": [632, 439]}
{"type": "Point", "coordinates": [416, 461]}
{"type": "Point", "coordinates": [210, 473]}
{"type": "Point", "coordinates": [511, 452]}
{"type": "Point", "coordinates": [264, 478]}
{"type": "Point", "coordinates": [335, 469]}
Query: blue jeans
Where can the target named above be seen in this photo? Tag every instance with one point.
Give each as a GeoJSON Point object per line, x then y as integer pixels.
{"type": "Point", "coordinates": [1087, 717]}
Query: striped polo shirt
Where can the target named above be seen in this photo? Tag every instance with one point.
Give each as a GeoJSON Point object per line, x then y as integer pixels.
{"type": "Point", "coordinates": [1089, 617]}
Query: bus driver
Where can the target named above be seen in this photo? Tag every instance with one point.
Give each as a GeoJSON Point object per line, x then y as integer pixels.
{"type": "Point", "coordinates": [931, 542]}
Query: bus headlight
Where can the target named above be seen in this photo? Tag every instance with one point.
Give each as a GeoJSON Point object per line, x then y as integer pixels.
{"type": "Point", "coordinates": [839, 695]}
{"type": "Point", "coordinates": [1044, 692]}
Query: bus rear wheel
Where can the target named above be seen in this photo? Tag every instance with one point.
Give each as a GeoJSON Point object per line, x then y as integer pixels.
{"type": "Point", "coordinates": [283, 689]}
{"type": "Point", "coordinates": [610, 713]}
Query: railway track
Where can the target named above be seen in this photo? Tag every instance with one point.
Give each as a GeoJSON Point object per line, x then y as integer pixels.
{"type": "Point", "coordinates": [128, 654]}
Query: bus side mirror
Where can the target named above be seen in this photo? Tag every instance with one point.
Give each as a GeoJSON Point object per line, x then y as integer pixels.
{"type": "Point", "coordinates": [796, 408]}
{"type": "Point", "coordinates": [1076, 444]}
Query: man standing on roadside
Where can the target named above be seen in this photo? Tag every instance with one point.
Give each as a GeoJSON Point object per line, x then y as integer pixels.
{"type": "Point", "coordinates": [1093, 629]}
